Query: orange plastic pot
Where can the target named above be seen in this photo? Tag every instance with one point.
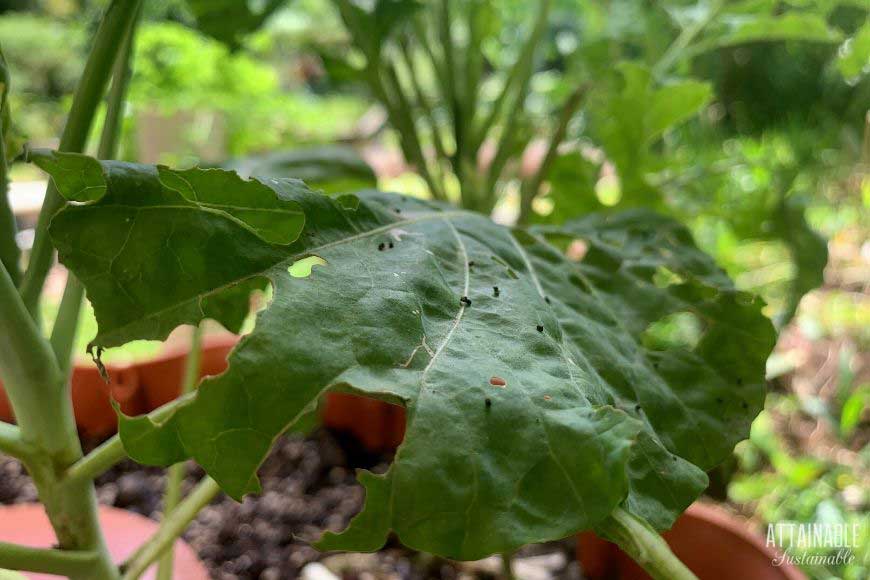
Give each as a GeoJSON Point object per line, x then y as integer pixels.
{"type": "Point", "coordinates": [92, 398]}
{"type": "Point", "coordinates": [27, 525]}
{"type": "Point", "coordinates": [144, 386]}
{"type": "Point", "coordinates": [711, 542]}
{"type": "Point", "coordinates": [379, 426]}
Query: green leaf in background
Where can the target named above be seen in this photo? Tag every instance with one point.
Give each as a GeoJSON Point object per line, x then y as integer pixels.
{"type": "Point", "coordinates": [628, 122]}
{"type": "Point", "coordinates": [533, 406]}
{"type": "Point", "coordinates": [230, 20]}
{"type": "Point", "coordinates": [808, 250]}
{"type": "Point", "coordinates": [853, 58]}
{"type": "Point", "coordinates": [330, 168]}
{"type": "Point", "coordinates": [746, 29]}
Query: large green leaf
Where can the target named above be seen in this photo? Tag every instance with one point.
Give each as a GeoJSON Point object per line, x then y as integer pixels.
{"type": "Point", "coordinates": [533, 406]}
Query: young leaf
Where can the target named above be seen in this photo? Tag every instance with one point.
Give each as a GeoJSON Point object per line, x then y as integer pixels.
{"type": "Point", "coordinates": [533, 407]}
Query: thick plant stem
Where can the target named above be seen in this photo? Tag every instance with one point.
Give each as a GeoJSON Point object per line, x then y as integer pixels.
{"type": "Point", "coordinates": [171, 528]}
{"type": "Point", "coordinates": [37, 389]}
{"type": "Point", "coordinates": [63, 333]}
{"type": "Point", "coordinates": [91, 88]}
{"type": "Point", "coordinates": [644, 545]}
{"type": "Point", "coordinates": [507, 569]}
{"type": "Point", "coordinates": [175, 477]}
{"type": "Point", "coordinates": [62, 562]}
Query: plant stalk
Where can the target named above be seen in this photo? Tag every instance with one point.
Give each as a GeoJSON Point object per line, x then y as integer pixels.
{"type": "Point", "coordinates": [170, 529]}
{"type": "Point", "coordinates": [507, 569]}
{"type": "Point", "coordinates": [644, 545]}
{"type": "Point", "coordinates": [63, 333]}
{"type": "Point", "coordinates": [114, 25]}
{"type": "Point", "coordinates": [175, 476]}
{"type": "Point", "coordinates": [10, 254]}
{"type": "Point", "coordinates": [532, 186]}
{"type": "Point", "coordinates": [37, 389]}
{"type": "Point", "coordinates": [61, 562]}
{"type": "Point", "coordinates": [675, 51]}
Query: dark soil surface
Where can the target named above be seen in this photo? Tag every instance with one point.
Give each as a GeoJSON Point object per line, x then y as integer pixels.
{"type": "Point", "coordinates": [308, 486]}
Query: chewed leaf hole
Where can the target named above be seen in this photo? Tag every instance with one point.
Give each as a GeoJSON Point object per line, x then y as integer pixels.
{"type": "Point", "coordinates": [678, 330]}
{"type": "Point", "coordinates": [302, 268]}
{"type": "Point", "coordinates": [665, 277]}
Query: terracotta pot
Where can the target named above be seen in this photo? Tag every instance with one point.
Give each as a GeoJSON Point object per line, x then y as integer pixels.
{"type": "Point", "coordinates": [160, 377]}
{"type": "Point", "coordinates": [143, 386]}
{"type": "Point", "coordinates": [27, 524]}
{"type": "Point", "coordinates": [711, 542]}
{"type": "Point", "coordinates": [379, 426]}
{"type": "Point", "coordinates": [92, 395]}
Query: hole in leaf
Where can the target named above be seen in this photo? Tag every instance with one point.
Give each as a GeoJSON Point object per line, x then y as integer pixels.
{"type": "Point", "coordinates": [678, 330]}
{"type": "Point", "coordinates": [302, 268]}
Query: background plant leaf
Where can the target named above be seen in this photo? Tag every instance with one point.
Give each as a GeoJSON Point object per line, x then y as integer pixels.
{"type": "Point", "coordinates": [524, 374]}
{"type": "Point", "coordinates": [231, 20]}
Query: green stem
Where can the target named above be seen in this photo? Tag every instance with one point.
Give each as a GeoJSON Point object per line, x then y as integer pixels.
{"type": "Point", "coordinates": [170, 529]}
{"type": "Point", "coordinates": [92, 86]}
{"type": "Point", "coordinates": [518, 71]}
{"type": "Point", "coordinates": [175, 477]}
{"type": "Point", "coordinates": [111, 452]}
{"type": "Point", "coordinates": [63, 333]}
{"type": "Point", "coordinates": [526, 64]}
{"type": "Point", "coordinates": [10, 254]}
{"type": "Point", "coordinates": [532, 187]}
{"type": "Point", "coordinates": [644, 545]}
{"type": "Point", "coordinates": [11, 442]}
{"type": "Point", "coordinates": [507, 570]}
{"type": "Point", "coordinates": [39, 394]}
{"type": "Point", "coordinates": [61, 562]}
{"type": "Point", "coordinates": [675, 51]}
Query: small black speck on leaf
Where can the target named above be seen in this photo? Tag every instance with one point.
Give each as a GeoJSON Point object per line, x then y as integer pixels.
{"type": "Point", "coordinates": [397, 210]}
{"type": "Point", "coordinates": [547, 299]}
{"type": "Point", "coordinates": [540, 328]}
{"type": "Point", "coordinates": [495, 291]}
{"type": "Point", "coordinates": [637, 408]}
{"type": "Point", "coordinates": [471, 264]}
{"type": "Point", "coordinates": [465, 300]}
{"type": "Point", "coordinates": [381, 247]}
{"type": "Point", "coordinates": [488, 402]}
{"type": "Point", "coordinates": [390, 245]}
{"type": "Point", "coordinates": [745, 405]}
